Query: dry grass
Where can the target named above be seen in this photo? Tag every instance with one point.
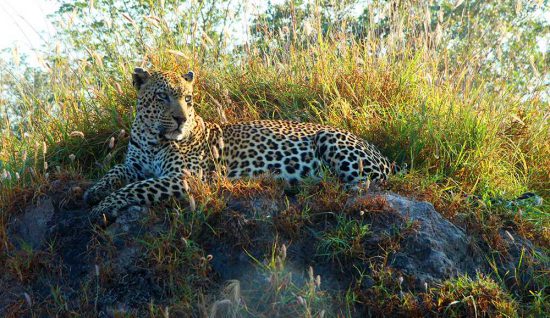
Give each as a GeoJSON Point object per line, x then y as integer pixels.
{"type": "Point", "coordinates": [459, 139]}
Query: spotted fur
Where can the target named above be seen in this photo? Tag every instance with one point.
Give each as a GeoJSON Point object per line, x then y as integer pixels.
{"type": "Point", "coordinates": [169, 139]}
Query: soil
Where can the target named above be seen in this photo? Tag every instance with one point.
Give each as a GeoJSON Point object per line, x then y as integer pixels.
{"type": "Point", "coordinates": [63, 249]}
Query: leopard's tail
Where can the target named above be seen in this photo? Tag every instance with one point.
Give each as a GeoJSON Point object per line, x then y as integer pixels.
{"type": "Point", "coordinates": [399, 169]}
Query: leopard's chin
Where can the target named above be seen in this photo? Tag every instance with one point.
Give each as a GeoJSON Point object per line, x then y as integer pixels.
{"type": "Point", "coordinates": [183, 132]}
{"type": "Point", "coordinates": [177, 134]}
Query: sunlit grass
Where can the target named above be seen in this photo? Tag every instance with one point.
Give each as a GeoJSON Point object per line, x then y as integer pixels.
{"type": "Point", "coordinates": [458, 138]}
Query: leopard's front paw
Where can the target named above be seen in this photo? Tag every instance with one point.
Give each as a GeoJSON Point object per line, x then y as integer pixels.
{"type": "Point", "coordinates": [94, 195]}
{"type": "Point", "coordinates": [106, 212]}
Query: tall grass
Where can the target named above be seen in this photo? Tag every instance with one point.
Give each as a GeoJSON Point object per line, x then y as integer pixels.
{"type": "Point", "coordinates": [399, 91]}
{"type": "Point", "coordinates": [460, 132]}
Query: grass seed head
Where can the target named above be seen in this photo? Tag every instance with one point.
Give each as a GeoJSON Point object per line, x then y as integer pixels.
{"type": "Point", "coordinates": [77, 133]}
{"type": "Point", "coordinates": [111, 142]}
{"type": "Point", "coordinates": [301, 301]}
{"type": "Point", "coordinates": [192, 204]}
{"type": "Point", "coordinates": [28, 299]}
{"type": "Point", "coordinates": [215, 153]}
{"type": "Point", "coordinates": [119, 89]}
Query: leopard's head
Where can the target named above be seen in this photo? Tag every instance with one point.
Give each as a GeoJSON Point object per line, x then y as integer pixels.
{"type": "Point", "coordinates": [165, 102]}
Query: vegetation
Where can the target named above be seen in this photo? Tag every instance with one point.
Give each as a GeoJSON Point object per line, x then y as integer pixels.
{"type": "Point", "coordinates": [457, 90]}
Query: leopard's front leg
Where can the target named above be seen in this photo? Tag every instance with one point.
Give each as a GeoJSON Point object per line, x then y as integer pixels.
{"type": "Point", "coordinates": [118, 176]}
{"type": "Point", "coordinates": [141, 193]}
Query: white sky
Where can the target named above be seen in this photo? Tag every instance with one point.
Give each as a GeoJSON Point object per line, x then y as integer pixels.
{"type": "Point", "coordinates": [22, 22]}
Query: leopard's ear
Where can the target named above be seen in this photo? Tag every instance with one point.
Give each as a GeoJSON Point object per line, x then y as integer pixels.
{"type": "Point", "coordinates": [139, 77]}
{"type": "Point", "coordinates": [190, 77]}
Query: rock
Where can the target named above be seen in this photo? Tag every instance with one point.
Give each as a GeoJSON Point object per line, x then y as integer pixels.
{"type": "Point", "coordinates": [438, 249]}
{"type": "Point", "coordinates": [32, 227]}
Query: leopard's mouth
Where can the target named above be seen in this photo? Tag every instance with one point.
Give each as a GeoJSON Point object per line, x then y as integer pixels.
{"type": "Point", "coordinates": [176, 134]}
{"type": "Point", "coordinates": [179, 130]}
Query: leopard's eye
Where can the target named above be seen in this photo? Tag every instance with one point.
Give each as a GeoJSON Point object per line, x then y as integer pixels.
{"type": "Point", "coordinates": [162, 96]}
{"type": "Point", "coordinates": [188, 98]}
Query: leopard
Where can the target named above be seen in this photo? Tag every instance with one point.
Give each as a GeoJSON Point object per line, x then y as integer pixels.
{"type": "Point", "coordinates": [170, 142]}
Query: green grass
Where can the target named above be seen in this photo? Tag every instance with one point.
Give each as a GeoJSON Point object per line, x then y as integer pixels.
{"type": "Point", "coordinates": [458, 138]}
{"type": "Point", "coordinates": [344, 239]}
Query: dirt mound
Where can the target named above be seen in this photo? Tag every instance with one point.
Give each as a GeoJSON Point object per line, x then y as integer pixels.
{"type": "Point", "coordinates": [153, 257]}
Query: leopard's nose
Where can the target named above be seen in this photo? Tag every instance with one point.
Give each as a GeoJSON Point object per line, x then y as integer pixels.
{"type": "Point", "coordinates": [179, 119]}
